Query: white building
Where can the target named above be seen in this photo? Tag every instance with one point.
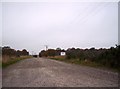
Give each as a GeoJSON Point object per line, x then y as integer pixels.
{"type": "Point", "coordinates": [62, 53]}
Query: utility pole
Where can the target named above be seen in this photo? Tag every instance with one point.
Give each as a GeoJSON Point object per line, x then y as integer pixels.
{"type": "Point", "coordinates": [46, 47]}
{"type": "Point", "coordinates": [32, 53]}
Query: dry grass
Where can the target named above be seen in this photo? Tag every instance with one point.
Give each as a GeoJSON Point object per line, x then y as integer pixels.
{"type": "Point", "coordinates": [58, 57]}
{"type": "Point", "coordinates": [7, 60]}
{"type": "Point", "coordinates": [0, 61]}
{"type": "Point", "coordinates": [83, 63]}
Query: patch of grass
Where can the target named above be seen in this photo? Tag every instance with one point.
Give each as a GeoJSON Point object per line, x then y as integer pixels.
{"type": "Point", "coordinates": [84, 63]}
{"type": "Point", "coordinates": [61, 58]}
{"type": "Point", "coordinates": [0, 61]}
{"type": "Point", "coordinates": [13, 60]}
{"type": "Point", "coordinates": [0, 64]}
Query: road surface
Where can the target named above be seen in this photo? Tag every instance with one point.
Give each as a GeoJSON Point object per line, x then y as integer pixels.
{"type": "Point", "coordinates": [41, 72]}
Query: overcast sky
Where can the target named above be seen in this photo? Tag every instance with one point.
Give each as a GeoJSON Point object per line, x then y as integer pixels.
{"type": "Point", "coordinates": [31, 25]}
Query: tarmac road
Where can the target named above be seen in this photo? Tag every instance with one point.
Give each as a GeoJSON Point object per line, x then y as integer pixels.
{"type": "Point", "coordinates": [42, 72]}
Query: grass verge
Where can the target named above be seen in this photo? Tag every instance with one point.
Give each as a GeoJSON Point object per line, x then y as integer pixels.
{"type": "Point", "coordinates": [83, 63]}
{"type": "Point", "coordinates": [14, 60]}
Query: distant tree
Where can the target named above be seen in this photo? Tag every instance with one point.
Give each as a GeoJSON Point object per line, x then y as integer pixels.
{"type": "Point", "coordinates": [24, 52]}
{"type": "Point", "coordinates": [92, 48]}
{"type": "Point", "coordinates": [51, 52]}
{"type": "Point", "coordinates": [57, 51]}
{"type": "Point", "coordinates": [108, 57]}
{"type": "Point", "coordinates": [58, 48]}
{"type": "Point", "coordinates": [18, 53]}
{"type": "Point", "coordinates": [8, 51]}
{"type": "Point", "coordinates": [12, 52]}
{"type": "Point", "coordinates": [71, 53]}
{"type": "Point", "coordinates": [43, 53]}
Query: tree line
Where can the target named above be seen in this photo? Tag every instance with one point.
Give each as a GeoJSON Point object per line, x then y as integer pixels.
{"type": "Point", "coordinates": [108, 57]}
{"type": "Point", "coordinates": [8, 51]}
{"type": "Point", "coordinates": [51, 52]}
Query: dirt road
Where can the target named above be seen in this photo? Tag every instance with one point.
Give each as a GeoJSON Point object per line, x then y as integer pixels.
{"type": "Point", "coordinates": [41, 72]}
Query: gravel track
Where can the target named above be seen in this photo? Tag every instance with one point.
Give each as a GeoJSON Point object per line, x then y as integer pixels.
{"type": "Point", "coordinates": [42, 72]}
